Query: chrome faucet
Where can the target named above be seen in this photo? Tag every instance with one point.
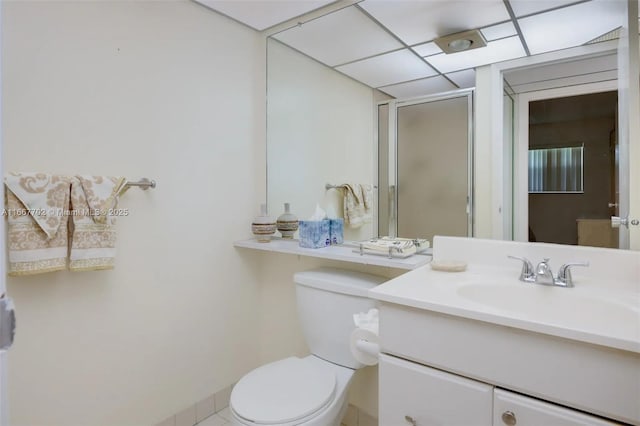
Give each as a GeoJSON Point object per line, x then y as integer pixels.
{"type": "Point", "coordinates": [543, 275]}
{"type": "Point", "coordinates": [527, 275]}
{"type": "Point", "coordinates": [564, 274]}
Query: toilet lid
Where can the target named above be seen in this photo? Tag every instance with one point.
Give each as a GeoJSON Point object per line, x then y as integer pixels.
{"type": "Point", "coordinates": [283, 391]}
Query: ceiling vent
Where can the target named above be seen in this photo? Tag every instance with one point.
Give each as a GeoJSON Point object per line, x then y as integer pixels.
{"type": "Point", "coordinates": [460, 42]}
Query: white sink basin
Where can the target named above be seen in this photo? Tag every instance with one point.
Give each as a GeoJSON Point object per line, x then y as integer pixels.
{"type": "Point", "coordinates": [574, 307]}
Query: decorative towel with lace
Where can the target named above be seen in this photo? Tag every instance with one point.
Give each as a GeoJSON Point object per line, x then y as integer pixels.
{"type": "Point", "coordinates": [37, 216]}
{"type": "Point", "coordinates": [393, 246]}
{"type": "Point", "coordinates": [358, 201]}
{"type": "Point", "coordinates": [93, 200]}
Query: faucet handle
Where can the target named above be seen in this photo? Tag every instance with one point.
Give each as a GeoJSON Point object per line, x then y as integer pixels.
{"type": "Point", "coordinates": [527, 267]}
{"type": "Point", "coordinates": [564, 273]}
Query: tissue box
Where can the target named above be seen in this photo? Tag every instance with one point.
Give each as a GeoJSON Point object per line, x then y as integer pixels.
{"type": "Point", "coordinates": [314, 233]}
{"type": "Point", "coordinates": [336, 231]}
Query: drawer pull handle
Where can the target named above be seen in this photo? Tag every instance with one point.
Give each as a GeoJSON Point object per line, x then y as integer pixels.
{"type": "Point", "coordinates": [411, 420]}
{"type": "Point", "coordinates": [508, 418]}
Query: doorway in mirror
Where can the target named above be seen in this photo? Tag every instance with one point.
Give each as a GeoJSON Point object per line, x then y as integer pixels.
{"type": "Point", "coordinates": [572, 169]}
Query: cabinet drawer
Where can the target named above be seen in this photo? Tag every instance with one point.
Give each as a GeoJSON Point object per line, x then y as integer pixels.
{"type": "Point", "coordinates": [412, 394]}
{"type": "Point", "coordinates": [512, 409]}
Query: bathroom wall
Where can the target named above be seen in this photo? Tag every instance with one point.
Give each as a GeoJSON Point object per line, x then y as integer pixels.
{"type": "Point", "coordinates": [320, 130]}
{"type": "Point", "coordinates": [167, 90]}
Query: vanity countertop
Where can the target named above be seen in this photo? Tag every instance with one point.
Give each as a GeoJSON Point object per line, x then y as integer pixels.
{"type": "Point", "coordinates": [344, 252]}
{"type": "Point", "coordinates": [602, 312]}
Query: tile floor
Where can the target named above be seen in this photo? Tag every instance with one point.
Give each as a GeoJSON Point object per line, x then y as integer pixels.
{"type": "Point", "coordinates": [353, 418]}
{"type": "Point", "coordinates": [221, 418]}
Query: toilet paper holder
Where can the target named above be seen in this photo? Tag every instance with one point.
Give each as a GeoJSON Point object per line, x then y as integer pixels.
{"type": "Point", "coordinates": [368, 347]}
{"type": "Point", "coordinates": [365, 343]}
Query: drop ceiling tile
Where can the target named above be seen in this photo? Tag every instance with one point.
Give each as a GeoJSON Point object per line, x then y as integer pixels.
{"type": "Point", "coordinates": [427, 49]}
{"type": "Point", "coordinates": [464, 78]}
{"type": "Point", "coordinates": [495, 51]}
{"type": "Point", "coordinates": [425, 86]}
{"type": "Point", "coordinates": [571, 26]}
{"type": "Point", "coordinates": [566, 81]}
{"type": "Point", "coordinates": [419, 21]}
{"type": "Point", "coordinates": [563, 69]}
{"type": "Point", "coordinates": [527, 7]}
{"type": "Point", "coordinates": [494, 32]}
{"type": "Point", "coordinates": [395, 67]}
{"type": "Point", "coordinates": [261, 15]}
{"type": "Point", "coordinates": [339, 37]}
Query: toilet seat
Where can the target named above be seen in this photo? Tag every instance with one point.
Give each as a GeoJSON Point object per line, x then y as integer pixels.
{"type": "Point", "coordinates": [282, 392]}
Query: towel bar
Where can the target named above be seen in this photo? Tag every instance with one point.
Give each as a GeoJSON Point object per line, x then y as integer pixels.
{"type": "Point", "coordinates": [143, 184]}
{"type": "Point", "coordinates": [329, 186]}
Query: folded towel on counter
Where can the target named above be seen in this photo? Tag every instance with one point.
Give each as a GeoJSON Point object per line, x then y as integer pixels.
{"type": "Point", "coordinates": [400, 247]}
{"type": "Point", "coordinates": [37, 217]}
{"type": "Point", "coordinates": [358, 202]}
{"type": "Point", "coordinates": [397, 245]}
{"type": "Point", "coordinates": [93, 199]}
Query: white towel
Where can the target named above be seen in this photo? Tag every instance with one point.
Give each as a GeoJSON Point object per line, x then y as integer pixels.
{"type": "Point", "coordinates": [358, 201]}
{"type": "Point", "coordinates": [37, 216]}
{"type": "Point", "coordinates": [93, 199]}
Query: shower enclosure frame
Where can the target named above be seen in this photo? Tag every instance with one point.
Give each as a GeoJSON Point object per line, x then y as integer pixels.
{"type": "Point", "coordinates": [392, 155]}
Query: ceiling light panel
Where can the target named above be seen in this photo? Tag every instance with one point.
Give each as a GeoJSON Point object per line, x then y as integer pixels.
{"type": "Point", "coordinates": [419, 21]}
{"type": "Point", "coordinates": [426, 86]}
{"type": "Point", "coordinates": [427, 49]}
{"type": "Point", "coordinates": [571, 26]}
{"type": "Point", "coordinates": [395, 67]}
{"type": "Point", "coordinates": [496, 51]}
{"type": "Point", "coordinates": [527, 7]}
{"type": "Point", "coordinates": [261, 15]}
{"type": "Point", "coordinates": [339, 37]}
{"type": "Point", "coordinates": [495, 32]}
{"type": "Point", "coordinates": [464, 79]}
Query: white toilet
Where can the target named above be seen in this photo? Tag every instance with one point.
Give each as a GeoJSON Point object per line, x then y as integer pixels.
{"type": "Point", "coordinates": [310, 391]}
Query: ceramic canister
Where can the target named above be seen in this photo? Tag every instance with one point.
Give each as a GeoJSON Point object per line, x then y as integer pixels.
{"type": "Point", "coordinates": [263, 227]}
{"type": "Point", "coordinates": [287, 223]}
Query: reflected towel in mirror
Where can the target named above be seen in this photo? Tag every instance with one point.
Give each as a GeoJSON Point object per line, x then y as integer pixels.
{"type": "Point", "coordinates": [358, 201]}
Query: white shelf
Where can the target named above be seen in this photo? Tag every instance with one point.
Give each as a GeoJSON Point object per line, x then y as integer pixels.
{"type": "Point", "coordinates": [342, 253]}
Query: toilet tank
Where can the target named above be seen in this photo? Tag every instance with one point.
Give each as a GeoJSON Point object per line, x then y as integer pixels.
{"type": "Point", "coordinates": [327, 298]}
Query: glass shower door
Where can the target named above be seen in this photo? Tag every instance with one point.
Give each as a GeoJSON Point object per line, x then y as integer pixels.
{"type": "Point", "coordinates": [434, 167]}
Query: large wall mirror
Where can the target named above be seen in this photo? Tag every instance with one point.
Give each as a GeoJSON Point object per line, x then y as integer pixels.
{"type": "Point", "coordinates": [330, 79]}
{"type": "Point", "coordinates": [320, 131]}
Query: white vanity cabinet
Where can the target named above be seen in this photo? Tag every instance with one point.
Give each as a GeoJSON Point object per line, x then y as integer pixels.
{"type": "Point", "coordinates": [550, 356]}
{"type": "Point", "coordinates": [416, 395]}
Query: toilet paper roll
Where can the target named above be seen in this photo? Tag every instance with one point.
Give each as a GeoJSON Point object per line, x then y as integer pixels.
{"type": "Point", "coordinates": [365, 346]}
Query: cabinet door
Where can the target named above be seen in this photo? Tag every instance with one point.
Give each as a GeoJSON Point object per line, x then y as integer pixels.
{"type": "Point", "coordinates": [513, 409]}
{"type": "Point", "coordinates": [414, 395]}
